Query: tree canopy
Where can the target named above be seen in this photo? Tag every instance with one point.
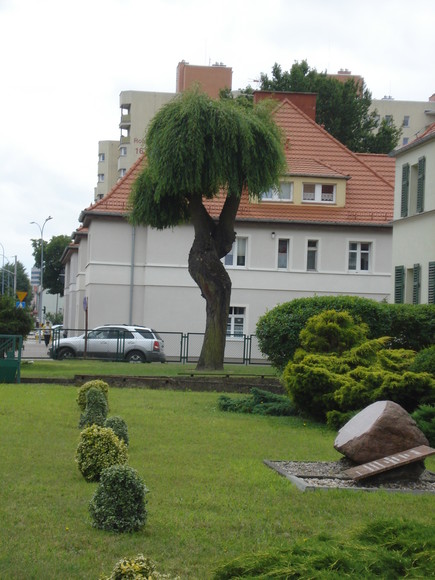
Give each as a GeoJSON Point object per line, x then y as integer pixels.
{"type": "Point", "coordinates": [343, 108]}
{"type": "Point", "coordinates": [53, 269]}
{"type": "Point", "coordinates": [197, 147]}
{"type": "Point", "coordinates": [14, 320]}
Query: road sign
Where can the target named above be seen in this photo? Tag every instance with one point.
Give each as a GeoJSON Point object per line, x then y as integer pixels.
{"type": "Point", "coordinates": [21, 295]}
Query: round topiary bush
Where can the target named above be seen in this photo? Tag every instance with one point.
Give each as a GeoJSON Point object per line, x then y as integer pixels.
{"type": "Point", "coordinates": [119, 426]}
{"type": "Point", "coordinates": [98, 449]}
{"type": "Point", "coordinates": [135, 568]}
{"type": "Point", "coordinates": [96, 409]}
{"type": "Point", "coordinates": [118, 504]}
{"type": "Point", "coordinates": [96, 384]}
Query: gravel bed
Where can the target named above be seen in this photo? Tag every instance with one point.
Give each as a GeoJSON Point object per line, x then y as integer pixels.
{"type": "Point", "coordinates": [312, 475]}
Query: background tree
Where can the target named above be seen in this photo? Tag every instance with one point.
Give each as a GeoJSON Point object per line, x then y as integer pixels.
{"type": "Point", "coordinates": [342, 108]}
{"type": "Point", "coordinates": [23, 281]}
{"type": "Point", "coordinates": [14, 320]}
{"type": "Point", "coordinates": [53, 269]}
{"type": "Point", "coordinates": [197, 147]}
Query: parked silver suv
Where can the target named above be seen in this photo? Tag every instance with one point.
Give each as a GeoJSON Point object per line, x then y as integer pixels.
{"type": "Point", "coordinates": [113, 341]}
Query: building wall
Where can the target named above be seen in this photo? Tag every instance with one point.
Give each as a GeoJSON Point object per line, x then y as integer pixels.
{"type": "Point", "coordinates": [211, 79]}
{"type": "Point", "coordinates": [108, 152]}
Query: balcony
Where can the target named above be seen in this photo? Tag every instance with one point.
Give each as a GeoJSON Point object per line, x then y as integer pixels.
{"type": "Point", "coordinates": [125, 140]}
{"type": "Point", "coordinates": [125, 121]}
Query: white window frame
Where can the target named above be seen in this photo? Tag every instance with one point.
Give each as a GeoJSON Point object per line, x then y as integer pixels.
{"type": "Point", "coordinates": [238, 250]}
{"type": "Point", "coordinates": [123, 151]}
{"type": "Point", "coordinates": [236, 313]}
{"type": "Point", "coordinates": [101, 157]}
{"type": "Point", "coordinates": [359, 252]}
{"type": "Point", "coordinates": [287, 254]}
{"type": "Point", "coordinates": [283, 194]}
{"type": "Point", "coordinates": [315, 251]}
{"type": "Point", "coordinates": [122, 172]}
{"type": "Point", "coordinates": [319, 193]}
{"type": "Point", "coordinates": [101, 178]}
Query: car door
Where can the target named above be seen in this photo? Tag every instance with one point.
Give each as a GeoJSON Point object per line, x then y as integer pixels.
{"type": "Point", "coordinates": [98, 343]}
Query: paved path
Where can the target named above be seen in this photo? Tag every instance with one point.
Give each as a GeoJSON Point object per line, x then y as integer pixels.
{"type": "Point", "coordinates": [34, 349]}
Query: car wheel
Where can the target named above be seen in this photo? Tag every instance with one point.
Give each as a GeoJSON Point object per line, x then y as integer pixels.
{"type": "Point", "coordinates": [66, 353]}
{"type": "Point", "coordinates": [135, 356]}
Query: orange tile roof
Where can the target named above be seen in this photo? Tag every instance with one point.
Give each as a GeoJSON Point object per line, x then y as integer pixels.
{"type": "Point", "coordinates": [309, 150]}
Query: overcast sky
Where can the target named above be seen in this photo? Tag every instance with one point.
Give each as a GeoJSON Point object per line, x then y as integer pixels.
{"type": "Point", "coordinates": [63, 65]}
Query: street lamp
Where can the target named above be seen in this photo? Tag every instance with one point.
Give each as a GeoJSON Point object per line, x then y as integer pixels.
{"type": "Point", "coordinates": [41, 229]}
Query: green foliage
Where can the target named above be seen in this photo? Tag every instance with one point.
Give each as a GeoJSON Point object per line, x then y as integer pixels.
{"type": "Point", "coordinates": [382, 549]}
{"type": "Point", "coordinates": [23, 282]}
{"type": "Point", "coordinates": [96, 409]}
{"type": "Point", "coordinates": [119, 426]}
{"type": "Point", "coordinates": [118, 504]}
{"type": "Point", "coordinates": [258, 403]}
{"type": "Point", "coordinates": [424, 416]}
{"type": "Point", "coordinates": [410, 326]}
{"type": "Point", "coordinates": [96, 384]}
{"type": "Point", "coordinates": [332, 331]}
{"type": "Point", "coordinates": [98, 449]}
{"type": "Point", "coordinates": [136, 568]}
{"type": "Point", "coordinates": [343, 109]}
{"type": "Point", "coordinates": [53, 268]}
{"type": "Point", "coordinates": [197, 146]}
{"type": "Point", "coordinates": [14, 320]}
{"type": "Point", "coordinates": [319, 384]}
{"type": "Point", "coordinates": [424, 361]}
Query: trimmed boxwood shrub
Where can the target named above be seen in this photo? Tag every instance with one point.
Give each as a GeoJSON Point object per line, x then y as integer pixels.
{"type": "Point", "coordinates": [98, 449]}
{"type": "Point", "coordinates": [136, 568]}
{"type": "Point", "coordinates": [119, 426]}
{"type": "Point", "coordinates": [96, 409]}
{"type": "Point", "coordinates": [410, 326]}
{"type": "Point", "coordinates": [118, 504]}
{"type": "Point", "coordinates": [96, 384]}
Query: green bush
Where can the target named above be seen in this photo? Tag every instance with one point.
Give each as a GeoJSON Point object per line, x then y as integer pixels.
{"type": "Point", "coordinates": [137, 568]}
{"type": "Point", "coordinates": [98, 449]}
{"type": "Point", "coordinates": [118, 504]}
{"type": "Point", "coordinates": [332, 331]}
{"type": "Point", "coordinates": [382, 549]}
{"type": "Point", "coordinates": [96, 409]}
{"type": "Point", "coordinates": [424, 361]}
{"type": "Point", "coordinates": [424, 416]}
{"type": "Point", "coordinates": [258, 403]}
{"type": "Point", "coordinates": [119, 426]}
{"type": "Point", "coordinates": [411, 326]}
{"type": "Point", "coordinates": [96, 384]}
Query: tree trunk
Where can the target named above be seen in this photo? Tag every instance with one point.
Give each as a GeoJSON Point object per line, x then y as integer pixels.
{"type": "Point", "coordinates": [212, 242]}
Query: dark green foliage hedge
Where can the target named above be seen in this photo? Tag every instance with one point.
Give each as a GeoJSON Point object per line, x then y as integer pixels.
{"type": "Point", "coordinates": [424, 416]}
{"type": "Point", "coordinates": [259, 403]}
{"type": "Point", "coordinates": [118, 504]}
{"type": "Point", "coordinates": [96, 409]}
{"type": "Point", "coordinates": [382, 549]}
{"type": "Point", "coordinates": [410, 326]}
{"type": "Point", "coordinates": [320, 384]}
{"type": "Point", "coordinates": [424, 361]}
{"type": "Point", "coordinates": [119, 426]}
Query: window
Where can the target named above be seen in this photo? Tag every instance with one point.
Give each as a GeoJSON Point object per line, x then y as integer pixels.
{"type": "Point", "coordinates": [420, 184]}
{"type": "Point", "coordinates": [405, 121]}
{"type": "Point", "coordinates": [399, 284]}
{"type": "Point", "coordinates": [283, 246]}
{"type": "Point", "coordinates": [389, 119]}
{"type": "Point", "coordinates": [101, 157]}
{"type": "Point", "coordinates": [122, 151]}
{"type": "Point", "coordinates": [100, 177]}
{"type": "Point", "coordinates": [236, 257]}
{"type": "Point", "coordinates": [405, 140]}
{"type": "Point", "coordinates": [431, 285]}
{"type": "Point", "coordinates": [405, 190]}
{"type": "Point", "coordinates": [318, 192]}
{"type": "Point", "coordinates": [416, 284]}
{"type": "Point", "coordinates": [122, 172]}
{"type": "Point", "coordinates": [236, 322]}
{"type": "Point", "coordinates": [312, 247]}
{"type": "Point", "coordinates": [359, 256]}
{"type": "Point", "coordinates": [284, 193]}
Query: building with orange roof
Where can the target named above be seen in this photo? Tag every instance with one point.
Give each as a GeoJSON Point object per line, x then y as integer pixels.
{"type": "Point", "coordinates": [327, 230]}
{"type": "Point", "coordinates": [414, 221]}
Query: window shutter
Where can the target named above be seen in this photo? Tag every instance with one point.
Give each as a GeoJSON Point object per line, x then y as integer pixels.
{"type": "Point", "coordinates": [431, 289]}
{"type": "Point", "coordinates": [399, 284]}
{"type": "Point", "coordinates": [420, 184]}
{"type": "Point", "coordinates": [405, 190]}
{"type": "Point", "coordinates": [416, 284]}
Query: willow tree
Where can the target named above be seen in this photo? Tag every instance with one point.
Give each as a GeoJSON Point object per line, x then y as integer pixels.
{"type": "Point", "coordinates": [197, 148]}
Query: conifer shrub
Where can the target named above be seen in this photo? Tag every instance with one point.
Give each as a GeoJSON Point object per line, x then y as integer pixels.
{"type": "Point", "coordinates": [119, 426]}
{"type": "Point", "coordinates": [96, 384]}
{"type": "Point", "coordinates": [96, 409]}
{"type": "Point", "coordinates": [260, 402]}
{"type": "Point", "coordinates": [424, 361]}
{"type": "Point", "coordinates": [119, 503]}
{"type": "Point", "coordinates": [137, 568]}
{"type": "Point", "coordinates": [424, 416]}
{"type": "Point", "coordinates": [98, 449]}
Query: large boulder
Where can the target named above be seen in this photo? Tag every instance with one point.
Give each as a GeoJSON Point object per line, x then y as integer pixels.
{"type": "Point", "coordinates": [383, 428]}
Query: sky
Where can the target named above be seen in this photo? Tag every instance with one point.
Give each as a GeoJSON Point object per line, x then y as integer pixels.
{"type": "Point", "coordinates": [64, 64]}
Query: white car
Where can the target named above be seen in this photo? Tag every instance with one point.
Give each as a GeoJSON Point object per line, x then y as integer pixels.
{"type": "Point", "coordinates": [113, 341]}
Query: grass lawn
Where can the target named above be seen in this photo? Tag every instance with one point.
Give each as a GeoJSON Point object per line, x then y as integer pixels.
{"type": "Point", "coordinates": [211, 498]}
